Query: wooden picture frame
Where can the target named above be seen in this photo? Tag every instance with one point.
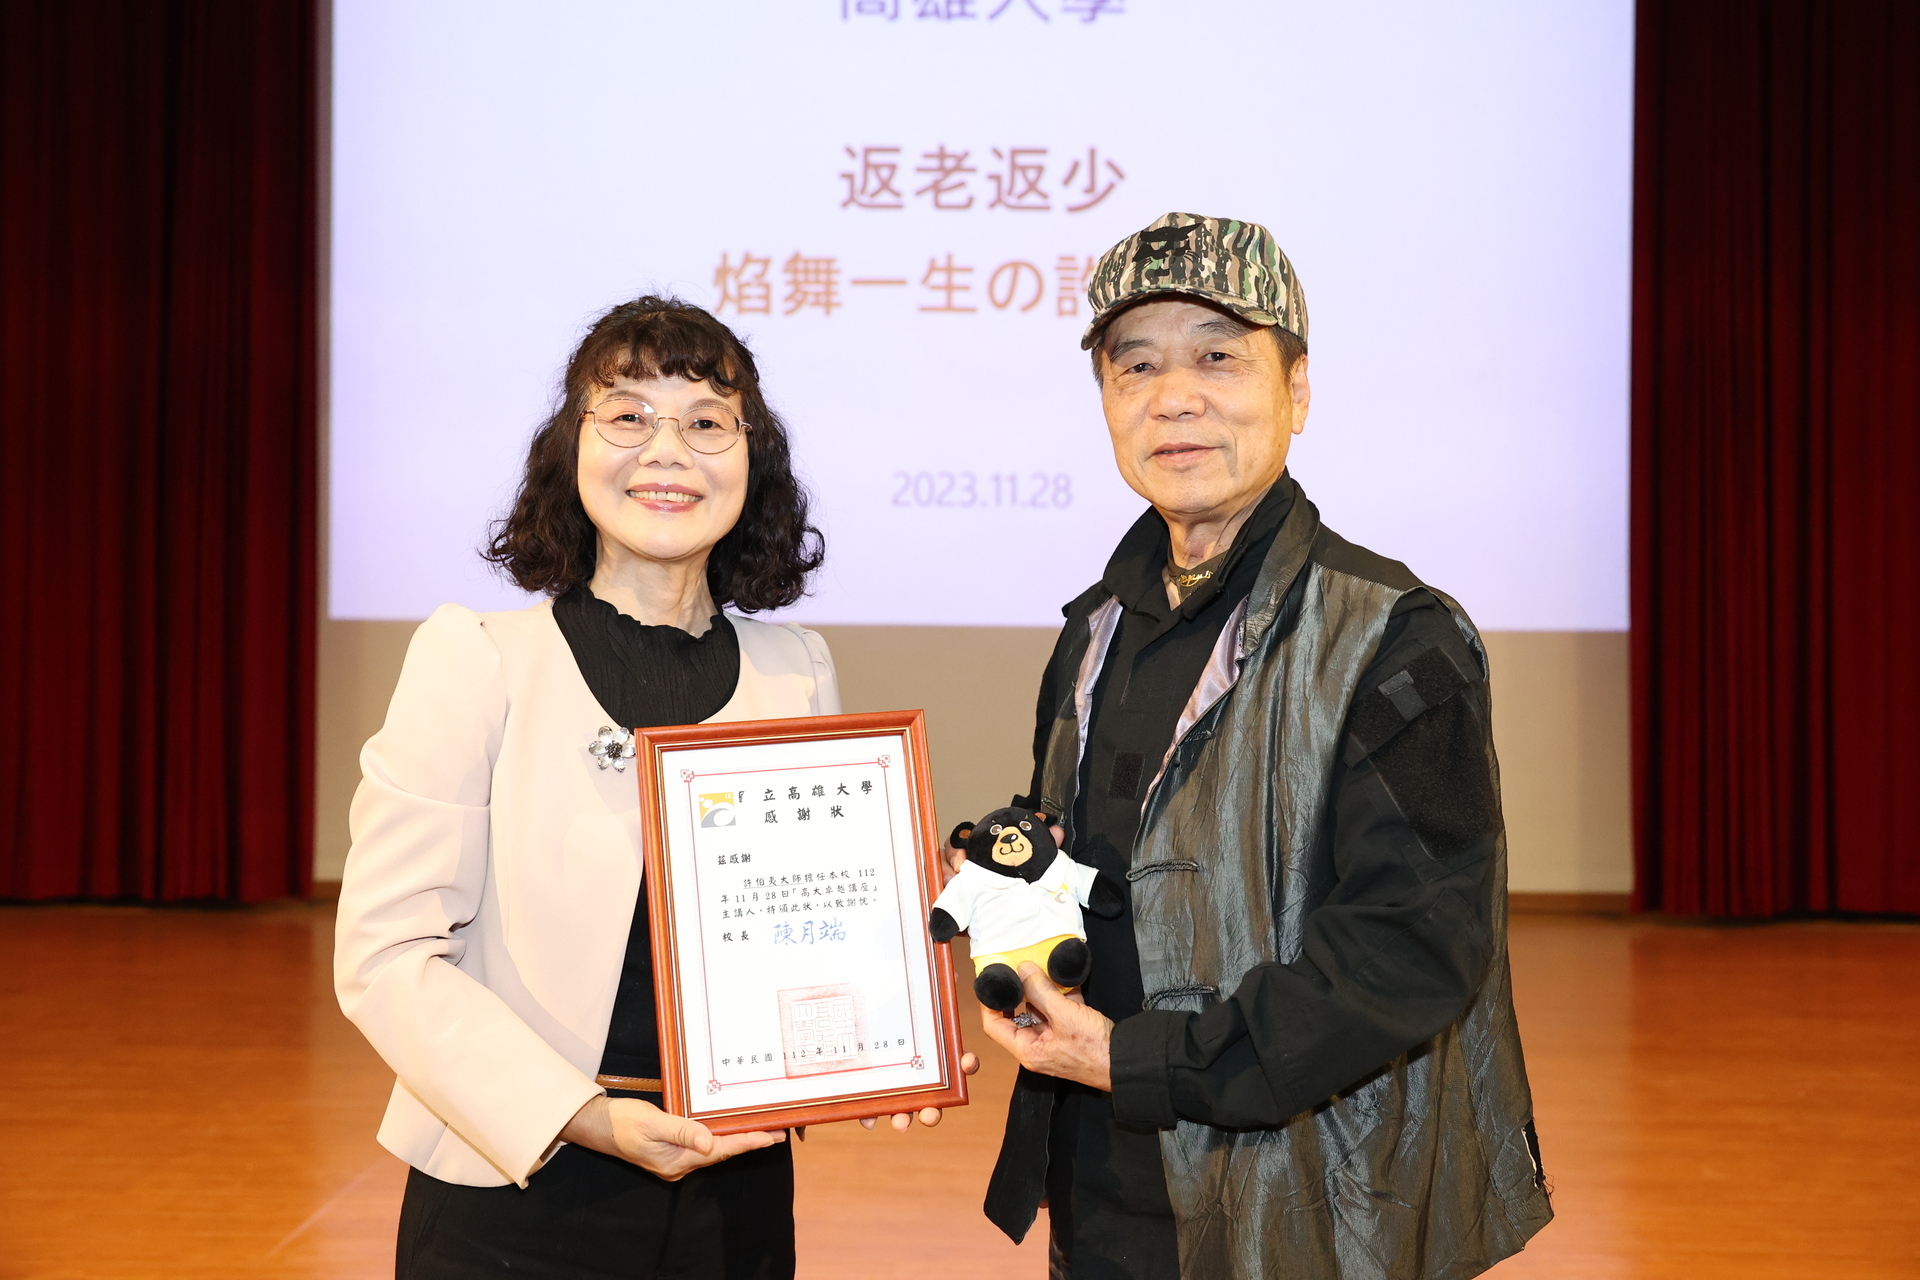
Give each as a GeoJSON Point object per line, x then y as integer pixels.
{"type": "Point", "coordinates": [788, 903]}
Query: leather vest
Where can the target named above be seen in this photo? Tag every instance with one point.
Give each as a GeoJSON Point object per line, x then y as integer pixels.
{"type": "Point", "coordinates": [1425, 1169]}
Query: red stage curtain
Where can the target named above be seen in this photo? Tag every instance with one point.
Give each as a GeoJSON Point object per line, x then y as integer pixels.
{"type": "Point", "coordinates": [1776, 467]}
{"type": "Point", "coordinates": [157, 448]}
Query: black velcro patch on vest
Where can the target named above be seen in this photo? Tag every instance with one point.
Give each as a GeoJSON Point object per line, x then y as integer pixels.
{"type": "Point", "coordinates": [1383, 711]}
{"type": "Point", "coordinates": [1124, 782]}
{"type": "Point", "coordinates": [1438, 771]}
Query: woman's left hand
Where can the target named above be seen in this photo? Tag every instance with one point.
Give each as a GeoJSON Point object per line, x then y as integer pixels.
{"type": "Point", "coordinates": [668, 1146]}
{"type": "Point", "coordinates": [929, 1116]}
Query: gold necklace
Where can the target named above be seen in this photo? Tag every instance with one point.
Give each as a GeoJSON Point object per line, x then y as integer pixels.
{"type": "Point", "coordinates": [1188, 581]}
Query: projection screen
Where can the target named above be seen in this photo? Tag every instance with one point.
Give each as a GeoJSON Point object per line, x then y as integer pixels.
{"type": "Point", "coordinates": [896, 201]}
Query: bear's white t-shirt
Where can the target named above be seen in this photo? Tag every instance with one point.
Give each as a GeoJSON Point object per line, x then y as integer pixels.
{"type": "Point", "coordinates": [1003, 913]}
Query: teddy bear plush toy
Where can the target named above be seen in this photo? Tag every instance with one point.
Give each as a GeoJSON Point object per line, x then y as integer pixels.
{"type": "Point", "coordinates": [1019, 898]}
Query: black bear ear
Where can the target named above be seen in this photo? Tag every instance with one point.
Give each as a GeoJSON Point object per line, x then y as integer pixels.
{"type": "Point", "coordinates": [1042, 818]}
{"type": "Point", "coordinates": [961, 834]}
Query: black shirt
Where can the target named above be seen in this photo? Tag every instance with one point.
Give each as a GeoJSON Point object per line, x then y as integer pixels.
{"type": "Point", "coordinates": [1153, 664]}
{"type": "Point", "coordinates": [1106, 1186]}
{"type": "Point", "coordinates": [643, 677]}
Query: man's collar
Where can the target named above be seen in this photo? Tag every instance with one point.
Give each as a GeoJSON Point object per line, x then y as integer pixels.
{"type": "Point", "coordinates": [1134, 573]}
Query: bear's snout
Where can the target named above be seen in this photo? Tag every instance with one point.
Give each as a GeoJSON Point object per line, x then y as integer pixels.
{"type": "Point", "coordinates": [1011, 847]}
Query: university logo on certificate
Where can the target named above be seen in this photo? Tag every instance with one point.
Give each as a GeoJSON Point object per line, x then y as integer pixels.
{"type": "Point", "coordinates": [791, 865]}
{"type": "Point", "coordinates": [716, 810]}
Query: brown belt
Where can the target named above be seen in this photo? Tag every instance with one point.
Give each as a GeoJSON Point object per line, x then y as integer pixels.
{"type": "Point", "coordinates": [630, 1084]}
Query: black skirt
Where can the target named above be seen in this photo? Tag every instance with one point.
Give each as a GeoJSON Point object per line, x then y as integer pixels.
{"type": "Point", "coordinates": [585, 1216]}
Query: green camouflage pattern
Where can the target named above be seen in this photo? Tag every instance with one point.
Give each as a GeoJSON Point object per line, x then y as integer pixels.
{"type": "Point", "coordinates": [1235, 265]}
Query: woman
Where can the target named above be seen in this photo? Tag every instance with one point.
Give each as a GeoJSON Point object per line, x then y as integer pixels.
{"type": "Point", "coordinates": [492, 940]}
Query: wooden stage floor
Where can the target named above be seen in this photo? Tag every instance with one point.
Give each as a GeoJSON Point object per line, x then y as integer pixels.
{"type": "Point", "coordinates": [179, 1097]}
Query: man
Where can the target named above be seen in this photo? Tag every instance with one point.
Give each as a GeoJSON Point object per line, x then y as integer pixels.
{"type": "Point", "coordinates": [1296, 1054]}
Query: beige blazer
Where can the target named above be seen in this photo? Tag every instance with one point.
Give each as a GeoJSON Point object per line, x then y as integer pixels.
{"type": "Point", "coordinates": [488, 895]}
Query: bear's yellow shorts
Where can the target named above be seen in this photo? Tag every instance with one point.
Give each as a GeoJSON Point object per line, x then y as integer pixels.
{"type": "Point", "coordinates": [1037, 953]}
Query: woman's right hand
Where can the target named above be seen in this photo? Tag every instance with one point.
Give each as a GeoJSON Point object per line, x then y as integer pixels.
{"type": "Point", "coordinates": [668, 1146]}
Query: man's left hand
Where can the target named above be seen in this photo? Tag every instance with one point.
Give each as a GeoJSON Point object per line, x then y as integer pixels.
{"type": "Point", "coordinates": [1070, 1041]}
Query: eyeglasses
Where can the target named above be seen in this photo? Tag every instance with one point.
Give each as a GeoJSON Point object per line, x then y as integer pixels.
{"type": "Point", "coordinates": [628, 424]}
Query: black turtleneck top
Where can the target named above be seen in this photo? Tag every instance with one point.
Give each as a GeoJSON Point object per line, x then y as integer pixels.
{"type": "Point", "coordinates": [644, 677]}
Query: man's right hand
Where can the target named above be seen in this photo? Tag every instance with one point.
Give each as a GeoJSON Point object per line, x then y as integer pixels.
{"type": "Point", "coordinates": [668, 1146]}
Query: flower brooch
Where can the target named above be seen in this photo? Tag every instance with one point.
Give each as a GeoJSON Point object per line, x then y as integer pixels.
{"type": "Point", "coordinates": [613, 747]}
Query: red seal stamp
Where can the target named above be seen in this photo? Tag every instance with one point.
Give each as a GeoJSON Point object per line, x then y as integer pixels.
{"type": "Point", "coordinates": [823, 1029]}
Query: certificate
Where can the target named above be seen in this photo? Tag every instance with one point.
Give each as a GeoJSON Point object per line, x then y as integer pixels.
{"type": "Point", "coordinates": [790, 868]}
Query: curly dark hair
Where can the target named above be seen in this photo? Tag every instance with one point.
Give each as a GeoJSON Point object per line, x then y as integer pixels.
{"type": "Point", "coordinates": [548, 544]}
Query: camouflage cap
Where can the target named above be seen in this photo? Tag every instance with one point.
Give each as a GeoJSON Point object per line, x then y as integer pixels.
{"type": "Point", "coordinates": [1231, 264]}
